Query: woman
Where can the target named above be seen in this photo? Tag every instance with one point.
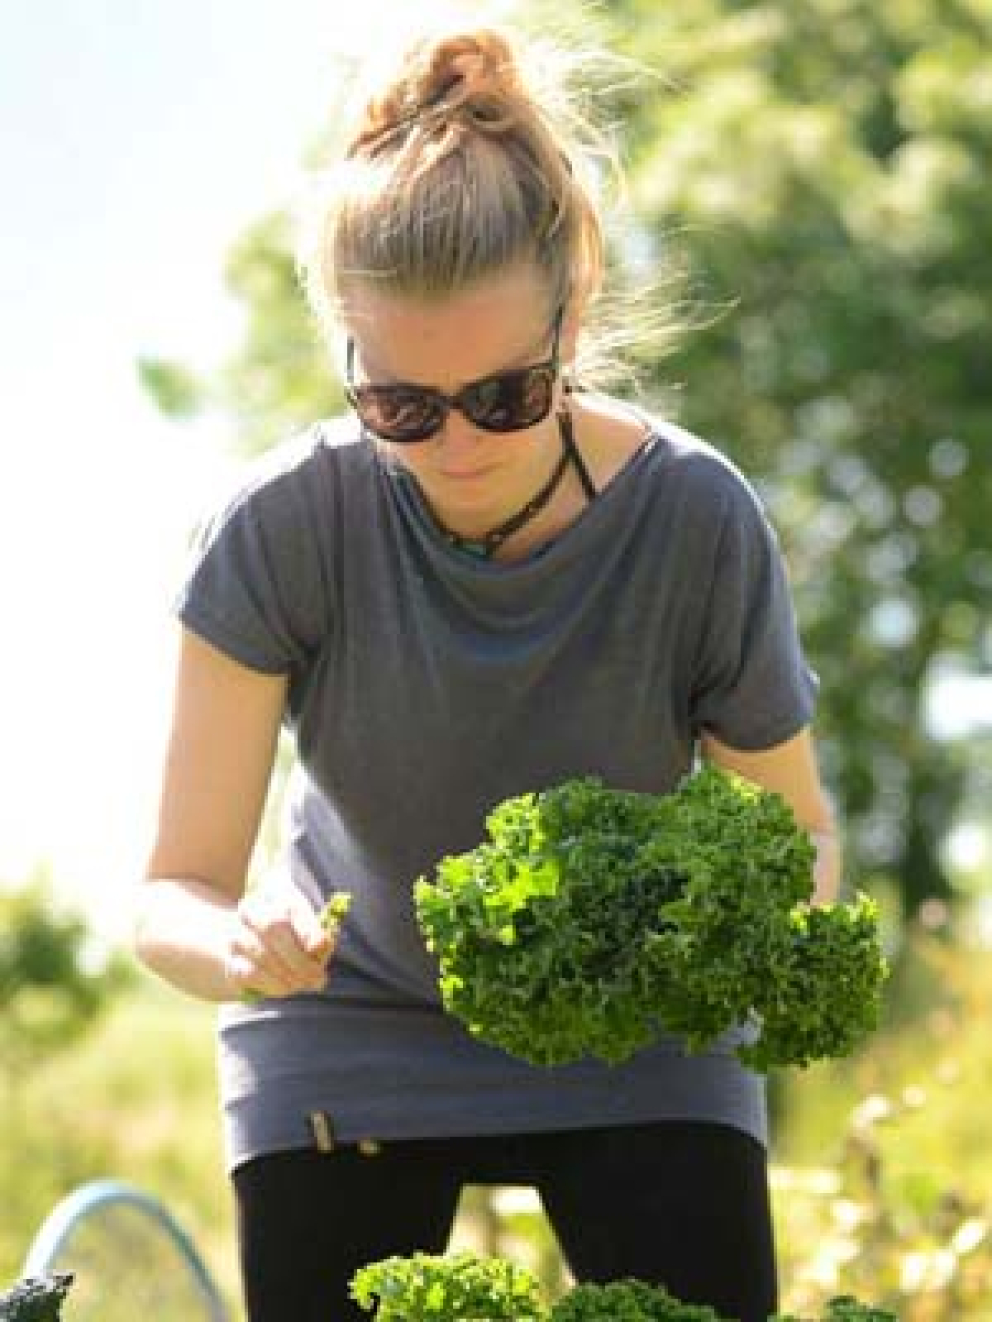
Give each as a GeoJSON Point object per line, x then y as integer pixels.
{"type": "Point", "coordinates": [487, 580]}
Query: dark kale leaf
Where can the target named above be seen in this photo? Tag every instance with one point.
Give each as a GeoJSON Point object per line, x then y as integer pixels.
{"type": "Point", "coordinates": [627, 1301]}
{"type": "Point", "coordinates": [35, 1298]}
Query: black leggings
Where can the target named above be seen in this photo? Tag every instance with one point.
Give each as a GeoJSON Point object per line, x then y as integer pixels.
{"type": "Point", "coordinates": [678, 1204]}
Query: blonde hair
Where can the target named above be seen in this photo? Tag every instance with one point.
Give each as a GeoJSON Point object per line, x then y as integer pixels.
{"type": "Point", "coordinates": [461, 162]}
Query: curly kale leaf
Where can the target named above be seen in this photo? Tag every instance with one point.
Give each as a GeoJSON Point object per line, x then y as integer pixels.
{"type": "Point", "coordinates": [458, 1287]}
{"type": "Point", "coordinates": [592, 918]}
{"type": "Point", "coordinates": [746, 867]}
{"type": "Point", "coordinates": [542, 932]}
{"type": "Point", "coordinates": [627, 1301]}
{"type": "Point", "coordinates": [824, 997]}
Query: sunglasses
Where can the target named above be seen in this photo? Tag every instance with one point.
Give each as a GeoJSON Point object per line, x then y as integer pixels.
{"type": "Point", "coordinates": [506, 401]}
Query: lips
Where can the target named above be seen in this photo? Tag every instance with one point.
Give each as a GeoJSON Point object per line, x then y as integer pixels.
{"type": "Point", "coordinates": [467, 476]}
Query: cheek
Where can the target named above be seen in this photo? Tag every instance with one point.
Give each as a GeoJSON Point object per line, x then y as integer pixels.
{"type": "Point", "coordinates": [404, 458]}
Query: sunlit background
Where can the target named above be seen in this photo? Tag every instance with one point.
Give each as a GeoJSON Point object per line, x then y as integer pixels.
{"type": "Point", "coordinates": [138, 139]}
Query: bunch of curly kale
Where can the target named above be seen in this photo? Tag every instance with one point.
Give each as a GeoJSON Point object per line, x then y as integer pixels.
{"type": "Point", "coordinates": [594, 918]}
{"type": "Point", "coordinates": [462, 1287]}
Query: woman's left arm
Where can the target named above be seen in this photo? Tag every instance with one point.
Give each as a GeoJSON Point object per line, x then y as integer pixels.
{"type": "Point", "coordinates": [790, 769]}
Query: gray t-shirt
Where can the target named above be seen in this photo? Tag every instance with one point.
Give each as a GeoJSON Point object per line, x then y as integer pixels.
{"type": "Point", "coordinates": [425, 686]}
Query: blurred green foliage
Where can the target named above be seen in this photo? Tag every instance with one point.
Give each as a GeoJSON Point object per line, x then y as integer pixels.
{"type": "Point", "coordinates": [824, 168]}
{"type": "Point", "coordinates": [883, 1183]}
{"type": "Point", "coordinates": [279, 378]}
{"type": "Point", "coordinates": [178, 392]}
{"type": "Point", "coordinates": [55, 979]}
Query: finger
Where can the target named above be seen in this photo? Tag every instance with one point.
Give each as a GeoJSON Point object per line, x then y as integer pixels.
{"type": "Point", "coordinates": [250, 977]}
{"type": "Point", "coordinates": [262, 976]}
{"type": "Point", "coordinates": [311, 944]}
{"type": "Point", "coordinates": [271, 953]}
{"type": "Point", "coordinates": [272, 924]}
{"type": "Point", "coordinates": [294, 945]}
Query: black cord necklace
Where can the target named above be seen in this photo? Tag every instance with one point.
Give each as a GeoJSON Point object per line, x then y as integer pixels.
{"type": "Point", "coordinates": [484, 547]}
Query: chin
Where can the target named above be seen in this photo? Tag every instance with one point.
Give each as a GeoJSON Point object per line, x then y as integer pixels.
{"type": "Point", "coordinates": [478, 488]}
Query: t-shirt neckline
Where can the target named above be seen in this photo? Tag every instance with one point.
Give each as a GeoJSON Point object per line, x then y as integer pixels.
{"type": "Point", "coordinates": [405, 489]}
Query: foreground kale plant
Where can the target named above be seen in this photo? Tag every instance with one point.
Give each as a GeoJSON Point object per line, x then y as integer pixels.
{"type": "Point", "coordinates": [457, 1288]}
{"type": "Point", "coordinates": [462, 1287]}
{"type": "Point", "coordinates": [846, 1309]}
{"type": "Point", "coordinates": [594, 918]}
{"type": "Point", "coordinates": [628, 1301]}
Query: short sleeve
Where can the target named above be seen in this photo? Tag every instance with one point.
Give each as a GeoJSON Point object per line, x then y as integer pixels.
{"type": "Point", "coordinates": [255, 587]}
{"type": "Point", "coordinates": [752, 687]}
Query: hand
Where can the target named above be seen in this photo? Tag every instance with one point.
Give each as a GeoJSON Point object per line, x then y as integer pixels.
{"type": "Point", "coordinates": [278, 945]}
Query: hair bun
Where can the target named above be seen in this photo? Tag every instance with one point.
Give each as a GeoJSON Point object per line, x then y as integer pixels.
{"type": "Point", "coordinates": [474, 65]}
{"type": "Point", "coordinates": [468, 77]}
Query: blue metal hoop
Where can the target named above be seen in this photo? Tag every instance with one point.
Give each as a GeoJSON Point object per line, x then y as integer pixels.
{"type": "Point", "coordinates": [83, 1202]}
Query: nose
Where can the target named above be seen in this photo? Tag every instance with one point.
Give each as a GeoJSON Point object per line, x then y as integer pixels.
{"type": "Point", "coordinates": [458, 436]}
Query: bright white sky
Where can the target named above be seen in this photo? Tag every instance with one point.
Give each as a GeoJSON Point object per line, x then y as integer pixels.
{"type": "Point", "coordinates": [138, 138]}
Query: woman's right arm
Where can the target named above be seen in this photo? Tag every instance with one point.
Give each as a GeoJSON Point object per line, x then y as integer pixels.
{"type": "Point", "coordinates": [195, 926]}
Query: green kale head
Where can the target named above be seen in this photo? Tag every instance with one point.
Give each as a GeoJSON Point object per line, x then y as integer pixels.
{"type": "Point", "coordinates": [458, 1287]}
{"type": "Point", "coordinates": [592, 919]}
{"type": "Point", "coordinates": [627, 1301]}
{"type": "Point", "coordinates": [465, 1287]}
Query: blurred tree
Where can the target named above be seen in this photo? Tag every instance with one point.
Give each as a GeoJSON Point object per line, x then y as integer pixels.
{"type": "Point", "coordinates": [825, 167]}
{"type": "Point", "coordinates": [54, 979]}
{"type": "Point", "coordinates": [821, 169]}
{"type": "Point", "coordinates": [278, 379]}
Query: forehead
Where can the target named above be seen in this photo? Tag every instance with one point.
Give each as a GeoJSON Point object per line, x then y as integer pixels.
{"type": "Point", "coordinates": [498, 322]}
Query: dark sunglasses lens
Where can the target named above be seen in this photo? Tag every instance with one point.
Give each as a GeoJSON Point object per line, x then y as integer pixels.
{"type": "Point", "coordinates": [511, 401]}
{"type": "Point", "coordinates": [399, 414]}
